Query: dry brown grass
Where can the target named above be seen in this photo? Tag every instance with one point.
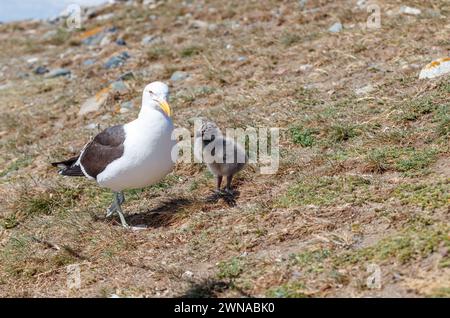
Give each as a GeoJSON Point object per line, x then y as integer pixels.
{"type": "Point", "coordinates": [362, 179]}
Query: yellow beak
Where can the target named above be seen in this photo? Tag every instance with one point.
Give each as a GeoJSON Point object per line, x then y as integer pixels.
{"type": "Point", "coordinates": [166, 108]}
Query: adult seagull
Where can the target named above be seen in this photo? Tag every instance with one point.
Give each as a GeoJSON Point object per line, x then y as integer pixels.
{"type": "Point", "coordinates": [129, 156]}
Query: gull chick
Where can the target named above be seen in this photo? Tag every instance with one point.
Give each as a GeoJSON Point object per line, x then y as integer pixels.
{"type": "Point", "coordinates": [223, 156]}
{"type": "Point", "coordinates": [129, 156]}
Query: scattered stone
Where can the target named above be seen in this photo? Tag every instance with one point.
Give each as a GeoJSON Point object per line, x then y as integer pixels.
{"type": "Point", "coordinates": [91, 126]}
{"type": "Point", "coordinates": [126, 76]}
{"type": "Point", "coordinates": [104, 17]}
{"type": "Point", "coordinates": [305, 67]}
{"type": "Point", "coordinates": [121, 42]}
{"type": "Point", "coordinates": [198, 24]}
{"type": "Point", "coordinates": [192, 120]}
{"type": "Point", "coordinates": [187, 275]}
{"type": "Point", "coordinates": [93, 104]}
{"type": "Point", "coordinates": [58, 72]}
{"type": "Point", "coordinates": [409, 10]}
{"type": "Point", "coordinates": [92, 37]}
{"type": "Point", "coordinates": [32, 60]}
{"type": "Point", "coordinates": [436, 68]}
{"type": "Point", "coordinates": [119, 87]}
{"type": "Point", "coordinates": [124, 110]}
{"type": "Point", "coordinates": [179, 76]}
{"type": "Point", "coordinates": [127, 105]}
{"type": "Point", "coordinates": [148, 39]}
{"type": "Point", "coordinates": [5, 86]}
{"type": "Point", "coordinates": [336, 28]}
{"type": "Point", "coordinates": [40, 70]}
{"type": "Point", "coordinates": [117, 60]}
{"type": "Point", "coordinates": [106, 40]}
{"type": "Point", "coordinates": [242, 59]}
{"type": "Point", "coordinates": [361, 4]}
{"type": "Point", "coordinates": [140, 227]}
{"type": "Point", "coordinates": [364, 90]}
{"type": "Point", "coordinates": [89, 62]}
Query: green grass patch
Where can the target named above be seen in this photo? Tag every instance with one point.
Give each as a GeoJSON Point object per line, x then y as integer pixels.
{"type": "Point", "coordinates": [231, 269]}
{"type": "Point", "coordinates": [328, 191]}
{"type": "Point", "coordinates": [157, 52]}
{"type": "Point", "coordinates": [303, 136]}
{"type": "Point", "coordinates": [412, 243]}
{"type": "Point", "coordinates": [288, 290]}
{"type": "Point", "coordinates": [18, 164]}
{"type": "Point", "coordinates": [410, 161]}
{"type": "Point", "coordinates": [310, 261]}
{"type": "Point", "coordinates": [191, 51]}
{"type": "Point", "coordinates": [426, 196]}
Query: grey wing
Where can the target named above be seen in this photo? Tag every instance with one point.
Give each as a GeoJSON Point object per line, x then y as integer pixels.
{"type": "Point", "coordinates": [102, 150]}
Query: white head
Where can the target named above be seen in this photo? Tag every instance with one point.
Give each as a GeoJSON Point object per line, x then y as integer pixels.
{"type": "Point", "coordinates": [155, 95]}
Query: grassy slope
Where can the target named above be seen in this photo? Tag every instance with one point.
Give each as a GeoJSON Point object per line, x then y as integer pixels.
{"type": "Point", "coordinates": [363, 179]}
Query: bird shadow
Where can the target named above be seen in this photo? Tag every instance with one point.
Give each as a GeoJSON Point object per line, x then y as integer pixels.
{"type": "Point", "coordinates": [160, 216]}
{"type": "Point", "coordinates": [228, 197]}
{"type": "Point", "coordinates": [211, 288]}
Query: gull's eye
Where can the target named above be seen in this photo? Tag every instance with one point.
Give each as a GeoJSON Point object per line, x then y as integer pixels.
{"type": "Point", "coordinates": [151, 92]}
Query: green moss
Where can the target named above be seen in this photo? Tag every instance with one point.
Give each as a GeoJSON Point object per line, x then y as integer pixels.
{"type": "Point", "coordinates": [288, 290]}
{"type": "Point", "coordinates": [16, 165]}
{"type": "Point", "coordinates": [327, 191]}
{"type": "Point", "coordinates": [412, 243]}
{"type": "Point", "coordinates": [190, 51]}
{"type": "Point", "coordinates": [303, 136]}
{"type": "Point", "coordinates": [342, 132]}
{"type": "Point", "coordinates": [310, 261]}
{"type": "Point", "coordinates": [424, 195]}
{"type": "Point", "coordinates": [231, 269]}
{"type": "Point", "coordinates": [157, 52]}
{"type": "Point", "coordinates": [410, 161]}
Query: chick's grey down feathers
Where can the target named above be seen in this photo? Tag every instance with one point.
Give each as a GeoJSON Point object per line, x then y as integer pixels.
{"type": "Point", "coordinates": [223, 156]}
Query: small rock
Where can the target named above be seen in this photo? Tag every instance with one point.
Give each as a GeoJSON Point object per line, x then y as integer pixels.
{"type": "Point", "coordinates": [32, 60]}
{"type": "Point", "coordinates": [59, 125]}
{"type": "Point", "coordinates": [104, 17]}
{"type": "Point", "coordinates": [91, 126]}
{"type": "Point", "coordinates": [126, 76]}
{"type": "Point", "coordinates": [305, 67]}
{"type": "Point", "coordinates": [198, 24]}
{"type": "Point", "coordinates": [364, 90]}
{"type": "Point", "coordinates": [88, 62]}
{"type": "Point", "coordinates": [336, 28]}
{"type": "Point", "coordinates": [436, 68]}
{"type": "Point", "coordinates": [139, 227]}
{"type": "Point", "coordinates": [148, 39]}
{"type": "Point", "coordinates": [187, 275]}
{"type": "Point", "coordinates": [242, 59]}
{"type": "Point", "coordinates": [192, 120]}
{"type": "Point", "coordinates": [361, 4]}
{"type": "Point", "coordinates": [58, 72]}
{"type": "Point", "coordinates": [179, 76]}
{"type": "Point", "coordinates": [127, 105]}
{"type": "Point", "coordinates": [40, 70]}
{"type": "Point", "coordinates": [409, 10]}
{"type": "Point", "coordinates": [119, 87]}
{"type": "Point", "coordinates": [121, 42]}
{"type": "Point", "coordinates": [105, 40]}
{"type": "Point", "coordinates": [5, 86]}
{"type": "Point", "coordinates": [117, 60]}
{"type": "Point", "coordinates": [93, 104]}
